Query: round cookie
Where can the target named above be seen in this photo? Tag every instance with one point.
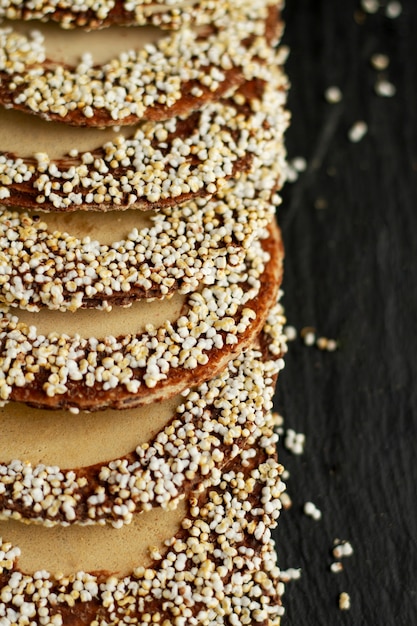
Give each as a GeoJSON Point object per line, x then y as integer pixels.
{"type": "Point", "coordinates": [64, 370]}
{"type": "Point", "coordinates": [156, 76]}
{"type": "Point", "coordinates": [158, 164]}
{"type": "Point", "coordinates": [68, 261]}
{"type": "Point", "coordinates": [197, 435]}
{"type": "Point", "coordinates": [222, 554]}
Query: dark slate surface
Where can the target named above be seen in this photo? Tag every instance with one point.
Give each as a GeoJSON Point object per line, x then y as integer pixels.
{"type": "Point", "coordinates": [351, 273]}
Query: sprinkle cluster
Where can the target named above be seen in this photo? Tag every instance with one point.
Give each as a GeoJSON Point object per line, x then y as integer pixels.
{"type": "Point", "coordinates": [215, 319]}
{"type": "Point", "coordinates": [161, 163]}
{"type": "Point", "coordinates": [138, 83]}
{"type": "Point", "coordinates": [211, 426]}
{"type": "Point", "coordinates": [220, 568]}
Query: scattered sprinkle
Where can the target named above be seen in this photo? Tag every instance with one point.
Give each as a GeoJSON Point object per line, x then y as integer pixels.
{"type": "Point", "coordinates": [323, 343]}
{"type": "Point", "coordinates": [333, 94]}
{"type": "Point", "coordinates": [370, 6]}
{"type": "Point", "coordinates": [344, 601]}
{"type": "Point", "coordinates": [379, 61]}
{"type": "Point", "coordinates": [286, 501]}
{"type": "Point", "coordinates": [393, 9]}
{"type": "Point", "coordinates": [299, 164]}
{"type": "Point", "coordinates": [321, 203]}
{"type": "Point", "coordinates": [308, 334]}
{"type": "Point", "coordinates": [289, 574]}
{"type": "Point", "coordinates": [294, 442]}
{"type": "Point", "coordinates": [357, 131]}
{"type": "Point", "coordinates": [385, 89]}
{"type": "Point", "coordinates": [336, 567]}
{"type": "Point", "coordinates": [311, 510]}
{"type": "Point", "coordinates": [342, 549]}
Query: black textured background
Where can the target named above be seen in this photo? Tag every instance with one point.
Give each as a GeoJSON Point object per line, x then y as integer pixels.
{"type": "Point", "coordinates": [350, 272]}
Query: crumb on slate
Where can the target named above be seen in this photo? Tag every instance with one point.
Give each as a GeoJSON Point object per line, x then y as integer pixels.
{"type": "Point", "coordinates": [342, 549]}
{"type": "Point", "coordinates": [312, 511]}
{"type": "Point", "coordinates": [370, 6]}
{"type": "Point", "coordinates": [344, 601]}
{"type": "Point", "coordinates": [357, 131]}
{"type": "Point", "coordinates": [333, 94]}
{"type": "Point", "coordinates": [379, 61]}
{"type": "Point", "coordinates": [336, 567]}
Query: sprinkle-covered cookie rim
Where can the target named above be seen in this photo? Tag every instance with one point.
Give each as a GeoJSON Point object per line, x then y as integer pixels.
{"type": "Point", "coordinates": [223, 553]}
{"type": "Point", "coordinates": [207, 430]}
{"type": "Point", "coordinates": [60, 371]}
{"type": "Point", "coordinates": [179, 73]}
{"type": "Point", "coordinates": [160, 163]}
{"type": "Point", "coordinates": [183, 247]}
{"type": "Point", "coordinates": [91, 15]}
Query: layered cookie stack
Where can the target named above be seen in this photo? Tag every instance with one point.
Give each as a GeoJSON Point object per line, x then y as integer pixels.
{"type": "Point", "coordinates": [141, 330]}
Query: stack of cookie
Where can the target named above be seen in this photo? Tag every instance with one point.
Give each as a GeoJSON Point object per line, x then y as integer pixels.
{"type": "Point", "coordinates": [141, 330]}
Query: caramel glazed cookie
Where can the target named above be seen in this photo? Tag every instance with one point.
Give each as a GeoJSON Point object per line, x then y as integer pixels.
{"type": "Point", "coordinates": [44, 263]}
{"type": "Point", "coordinates": [159, 164]}
{"type": "Point", "coordinates": [69, 261]}
{"type": "Point", "coordinates": [220, 568]}
{"type": "Point", "coordinates": [156, 76]}
{"type": "Point", "coordinates": [202, 430]}
{"type": "Point", "coordinates": [220, 565]}
{"type": "Point", "coordinates": [61, 370]}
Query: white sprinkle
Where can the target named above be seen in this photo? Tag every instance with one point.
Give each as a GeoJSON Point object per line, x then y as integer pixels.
{"type": "Point", "coordinates": [358, 131]}
{"type": "Point", "coordinates": [385, 89]}
{"type": "Point", "coordinates": [286, 500]}
{"type": "Point", "coordinates": [379, 61]}
{"type": "Point", "coordinates": [344, 601]}
{"type": "Point", "coordinates": [393, 9]}
{"type": "Point", "coordinates": [331, 345]}
{"type": "Point", "coordinates": [290, 332]}
{"type": "Point", "coordinates": [309, 339]}
{"type": "Point", "coordinates": [294, 442]}
{"type": "Point", "coordinates": [291, 573]}
{"type": "Point", "coordinates": [311, 510]}
{"type": "Point", "coordinates": [342, 549]}
{"type": "Point", "coordinates": [370, 6]}
{"type": "Point", "coordinates": [299, 164]}
{"type": "Point", "coordinates": [336, 567]}
{"type": "Point", "coordinates": [333, 94]}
